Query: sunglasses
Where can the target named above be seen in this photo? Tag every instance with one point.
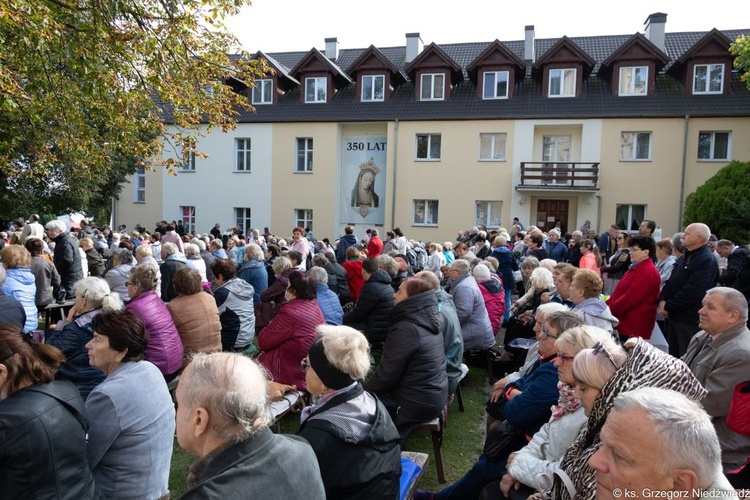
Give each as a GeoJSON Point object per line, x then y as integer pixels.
{"type": "Point", "coordinates": [304, 364]}
{"type": "Point", "coordinates": [599, 349]}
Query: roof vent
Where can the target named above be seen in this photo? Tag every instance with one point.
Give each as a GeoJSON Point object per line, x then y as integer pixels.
{"type": "Point", "coordinates": [332, 48]}
{"type": "Point", "coordinates": [655, 25]}
{"type": "Point", "coordinates": [413, 46]}
{"type": "Point", "coordinates": [529, 54]}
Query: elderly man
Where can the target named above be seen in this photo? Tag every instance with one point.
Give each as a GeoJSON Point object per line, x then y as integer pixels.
{"type": "Point", "coordinates": [693, 274]}
{"type": "Point", "coordinates": [67, 259]}
{"type": "Point", "coordinates": [737, 273]}
{"type": "Point", "coordinates": [673, 454]}
{"type": "Point", "coordinates": [574, 249]}
{"type": "Point", "coordinates": [719, 356]}
{"type": "Point", "coordinates": [32, 229]}
{"type": "Point", "coordinates": [223, 417]}
{"type": "Point", "coordinates": [117, 277]}
{"type": "Point", "coordinates": [472, 314]}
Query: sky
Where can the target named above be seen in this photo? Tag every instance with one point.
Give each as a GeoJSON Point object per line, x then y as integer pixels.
{"type": "Point", "coordinates": [299, 25]}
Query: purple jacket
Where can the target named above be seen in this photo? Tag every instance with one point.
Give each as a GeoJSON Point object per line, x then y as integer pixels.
{"type": "Point", "coordinates": [164, 344]}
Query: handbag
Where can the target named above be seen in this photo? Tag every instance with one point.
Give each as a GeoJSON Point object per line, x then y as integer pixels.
{"type": "Point", "coordinates": [738, 418]}
{"type": "Point", "coordinates": [502, 440]}
{"type": "Point", "coordinates": [496, 409]}
{"type": "Point", "coordinates": [264, 313]}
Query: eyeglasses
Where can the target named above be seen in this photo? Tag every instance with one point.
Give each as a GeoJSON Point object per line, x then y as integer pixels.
{"type": "Point", "coordinates": [565, 358]}
{"type": "Point", "coordinates": [304, 364]}
{"type": "Point", "coordinates": [547, 334]}
{"type": "Point", "coordinates": [599, 349]}
{"type": "Point", "coordinates": [128, 283]}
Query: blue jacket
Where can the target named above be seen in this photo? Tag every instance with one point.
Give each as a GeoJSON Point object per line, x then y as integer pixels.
{"type": "Point", "coordinates": [21, 285]}
{"type": "Point", "coordinates": [330, 306]}
{"type": "Point", "coordinates": [557, 251]}
{"type": "Point", "coordinates": [506, 265]}
{"type": "Point", "coordinates": [254, 272]}
{"type": "Point", "coordinates": [345, 242]}
{"type": "Point", "coordinates": [531, 409]}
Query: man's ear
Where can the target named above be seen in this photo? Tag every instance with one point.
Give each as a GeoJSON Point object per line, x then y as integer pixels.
{"type": "Point", "coordinates": [199, 419]}
{"type": "Point", "coordinates": [684, 480]}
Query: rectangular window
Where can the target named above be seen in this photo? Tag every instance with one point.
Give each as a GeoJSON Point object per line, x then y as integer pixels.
{"type": "Point", "coordinates": [634, 80]}
{"type": "Point", "coordinates": [635, 146]}
{"type": "Point", "coordinates": [714, 145]}
{"type": "Point", "coordinates": [304, 154]}
{"type": "Point", "coordinates": [303, 217]}
{"type": "Point", "coordinates": [263, 91]}
{"type": "Point", "coordinates": [488, 213]}
{"type": "Point", "coordinates": [188, 162]}
{"type": "Point", "coordinates": [432, 87]}
{"type": "Point", "coordinates": [708, 79]}
{"type": "Point", "coordinates": [492, 147]}
{"type": "Point", "coordinates": [373, 88]}
{"type": "Point", "coordinates": [428, 147]}
{"type": "Point", "coordinates": [629, 217]}
{"type": "Point", "coordinates": [243, 219]}
{"type": "Point", "coordinates": [562, 83]}
{"type": "Point", "coordinates": [315, 89]}
{"type": "Point", "coordinates": [188, 218]}
{"type": "Point", "coordinates": [139, 180]}
{"type": "Point", "coordinates": [243, 155]}
{"type": "Point", "coordinates": [425, 213]}
{"type": "Point", "coordinates": [495, 85]}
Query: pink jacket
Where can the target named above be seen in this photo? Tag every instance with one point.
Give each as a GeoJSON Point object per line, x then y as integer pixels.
{"type": "Point", "coordinates": [173, 237]}
{"type": "Point", "coordinates": [285, 341]}
{"type": "Point", "coordinates": [164, 344]}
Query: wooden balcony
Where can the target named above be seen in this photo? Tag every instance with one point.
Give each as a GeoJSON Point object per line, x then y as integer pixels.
{"type": "Point", "coordinates": [559, 176]}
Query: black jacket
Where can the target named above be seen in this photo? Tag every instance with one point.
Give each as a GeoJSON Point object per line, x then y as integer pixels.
{"type": "Point", "coordinates": [43, 444]}
{"type": "Point", "coordinates": [692, 276]}
{"type": "Point", "coordinates": [11, 311]}
{"type": "Point", "coordinates": [354, 468]}
{"type": "Point", "coordinates": [412, 370]}
{"type": "Point", "coordinates": [68, 263]}
{"type": "Point", "coordinates": [337, 281]}
{"type": "Point", "coordinates": [737, 273]}
{"type": "Point", "coordinates": [371, 312]}
{"type": "Point", "coordinates": [168, 269]}
{"type": "Point", "coordinates": [95, 262]}
{"type": "Point", "coordinates": [346, 241]}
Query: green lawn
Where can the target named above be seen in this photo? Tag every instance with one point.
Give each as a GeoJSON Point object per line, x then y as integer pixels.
{"type": "Point", "coordinates": [462, 442]}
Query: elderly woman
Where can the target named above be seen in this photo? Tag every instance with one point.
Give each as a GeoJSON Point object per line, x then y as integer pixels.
{"type": "Point", "coordinates": [195, 315]}
{"type": "Point", "coordinates": [236, 250]}
{"type": "Point", "coordinates": [411, 378]}
{"type": "Point", "coordinates": [492, 293]}
{"type": "Point", "coordinates": [164, 345]}
{"type": "Point", "coordinates": [436, 259]}
{"type": "Point", "coordinates": [562, 278]}
{"type": "Point", "coordinates": [20, 282]}
{"type": "Point", "coordinates": [585, 293]}
{"type": "Point", "coordinates": [174, 260]}
{"type": "Point", "coordinates": [132, 429]}
{"type": "Point", "coordinates": [93, 296]}
{"type": "Point", "coordinates": [44, 271]}
{"type": "Point", "coordinates": [282, 268]}
{"type": "Point", "coordinates": [472, 313]}
{"type": "Point", "coordinates": [327, 300]}
{"type": "Point", "coordinates": [618, 263]}
{"type": "Point", "coordinates": [117, 276]}
{"type": "Point", "coordinates": [665, 259]}
{"type": "Point", "coordinates": [195, 261]}
{"type": "Point", "coordinates": [507, 263]}
{"type": "Point", "coordinates": [301, 245]}
{"type": "Point", "coordinates": [234, 299]}
{"type": "Point", "coordinates": [350, 431]}
{"type": "Point", "coordinates": [253, 270]}
{"type": "Point", "coordinates": [286, 339]}
{"type": "Point", "coordinates": [634, 300]}
{"type": "Point", "coordinates": [43, 422]}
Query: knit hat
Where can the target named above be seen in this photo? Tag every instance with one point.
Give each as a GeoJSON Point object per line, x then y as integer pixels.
{"type": "Point", "coordinates": [481, 272]}
{"type": "Point", "coordinates": [332, 377]}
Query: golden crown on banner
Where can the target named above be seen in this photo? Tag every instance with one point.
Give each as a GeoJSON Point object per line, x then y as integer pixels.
{"type": "Point", "coordinates": [370, 165]}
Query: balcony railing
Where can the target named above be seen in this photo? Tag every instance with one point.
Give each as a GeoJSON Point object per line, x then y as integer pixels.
{"type": "Point", "coordinates": [551, 175]}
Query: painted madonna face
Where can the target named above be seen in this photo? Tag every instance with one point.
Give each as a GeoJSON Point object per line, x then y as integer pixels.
{"type": "Point", "coordinates": [368, 178]}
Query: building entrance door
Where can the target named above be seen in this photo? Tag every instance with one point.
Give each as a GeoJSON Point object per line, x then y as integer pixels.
{"type": "Point", "coordinates": [549, 212]}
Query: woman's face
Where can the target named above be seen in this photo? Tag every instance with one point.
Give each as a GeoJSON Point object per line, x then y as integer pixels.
{"type": "Point", "coordinates": [400, 294]}
{"type": "Point", "coordinates": [289, 294]}
{"type": "Point", "coordinates": [661, 254]}
{"type": "Point", "coordinates": [314, 385]}
{"type": "Point", "coordinates": [622, 242]}
{"type": "Point", "coordinates": [367, 180]}
{"type": "Point", "coordinates": [576, 293]}
{"type": "Point", "coordinates": [563, 287]}
{"type": "Point", "coordinates": [546, 337]}
{"type": "Point", "coordinates": [564, 364]}
{"type": "Point", "coordinates": [132, 290]}
{"type": "Point", "coordinates": [101, 355]}
{"type": "Point", "coordinates": [527, 271]}
{"type": "Point", "coordinates": [587, 395]}
{"type": "Point", "coordinates": [637, 254]}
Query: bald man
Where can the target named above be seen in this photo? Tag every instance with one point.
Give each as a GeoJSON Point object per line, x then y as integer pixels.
{"type": "Point", "coordinates": [682, 296]}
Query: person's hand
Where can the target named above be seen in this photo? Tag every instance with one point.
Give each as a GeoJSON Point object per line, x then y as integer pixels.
{"type": "Point", "coordinates": [496, 395]}
{"type": "Point", "coordinates": [276, 390]}
{"type": "Point", "coordinates": [546, 296]}
{"type": "Point", "coordinates": [507, 483]}
{"type": "Point", "coordinates": [71, 314]}
{"type": "Point", "coordinates": [623, 257]}
{"type": "Point", "coordinates": [660, 310]}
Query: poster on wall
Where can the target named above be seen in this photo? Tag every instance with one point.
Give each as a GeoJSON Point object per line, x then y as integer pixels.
{"type": "Point", "coordinates": [363, 176]}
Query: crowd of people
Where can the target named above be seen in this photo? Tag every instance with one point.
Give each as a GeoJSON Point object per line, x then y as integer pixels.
{"type": "Point", "coordinates": [605, 330]}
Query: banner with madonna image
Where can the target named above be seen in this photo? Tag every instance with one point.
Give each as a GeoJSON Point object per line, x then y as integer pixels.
{"type": "Point", "coordinates": [363, 175]}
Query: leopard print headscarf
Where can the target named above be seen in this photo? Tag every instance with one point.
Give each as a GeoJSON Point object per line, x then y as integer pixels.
{"type": "Point", "coordinates": [646, 366]}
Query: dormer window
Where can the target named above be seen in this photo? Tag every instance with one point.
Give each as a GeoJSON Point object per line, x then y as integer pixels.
{"type": "Point", "coordinates": [562, 82]}
{"type": "Point", "coordinates": [262, 92]}
{"type": "Point", "coordinates": [708, 79]}
{"type": "Point", "coordinates": [373, 88]}
{"type": "Point", "coordinates": [315, 89]}
{"type": "Point", "coordinates": [496, 84]}
{"type": "Point", "coordinates": [633, 80]}
{"type": "Point", "coordinates": [432, 87]}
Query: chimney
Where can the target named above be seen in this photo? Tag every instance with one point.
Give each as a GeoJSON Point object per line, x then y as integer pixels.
{"type": "Point", "coordinates": [413, 46]}
{"type": "Point", "coordinates": [332, 48]}
{"type": "Point", "coordinates": [528, 45]}
{"type": "Point", "coordinates": [655, 24]}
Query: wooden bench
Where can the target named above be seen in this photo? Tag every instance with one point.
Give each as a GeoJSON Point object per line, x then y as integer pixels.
{"type": "Point", "coordinates": [435, 426]}
{"type": "Point", "coordinates": [421, 460]}
{"type": "Point", "coordinates": [459, 396]}
{"type": "Point", "coordinates": [292, 401]}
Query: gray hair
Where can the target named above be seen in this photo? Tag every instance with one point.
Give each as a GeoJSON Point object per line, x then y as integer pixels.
{"type": "Point", "coordinates": [500, 241]}
{"type": "Point", "coordinates": [346, 349]}
{"type": "Point", "coordinates": [683, 429]}
{"type": "Point", "coordinates": [254, 252]}
{"type": "Point", "coordinates": [233, 390]}
{"type": "Point", "coordinates": [217, 243]}
{"type": "Point", "coordinates": [677, 242]}
{"type": "Point", "coordinates": [541, 278]}
{"type": "Point", "coordinates": [56, 224]}
{"type": "Point", "coordinates": [461, 266]}
{"type": "Point", "coordinates": [330, 256]}
{"type": "Point", "coordinates": [201, 244]}
{"type": "Point", "coordinates": [169, 248]}
{"type": "Point", "coordinates": [701, 230]}
{"type": "Point", "coordinates": [550, 307]}
{"type": "Point", "coordinates": [191, 249]}
{"type": "Point", "coordinates": [96, 291]}
{"type": "Point", "coordinates": [584, 337]}
{"type": "Point", "coordinates": [430, 278]}
{"type": "Point", "coordinates": [123, 256]}
{"type": "Point", "coordinates": [280, 265]}
{"type": "Point", "coordinates": [319, 260]}
{"type": "Point", "coordinates": [388, 264]}
{"type": "Point", "coordinates": [318, 275]}
{"type": "Point", "coordinates": [530, 263]}
{"type": "Point", "coordinates": [733, 300]}
{"type": "Point", "coordinates": [578, 233]}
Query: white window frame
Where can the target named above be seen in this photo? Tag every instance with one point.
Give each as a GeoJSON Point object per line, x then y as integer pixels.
{"type": "Point", "coordinates": [426, 213]}
{"type": "Point", "coordinates": [712, 145]}
{"type": "Point", "coordinates": [243, 149]}
{"type": "Point", "coordinates": [139, 181]}
{"type": "Point", "coordinates": [562, 76]}
{"type": "Point", "coordinates": [435, 91]}
{"type": "Point", "coordinates": [632, 228]}
{"type": "Point", "coordinates": [303, 163]}
{"type": "Point", "coordinates": [303, 217]}
{"type": "Point", "coordinates": [707, 89]}
{"type": "Point", "coordinates": [631, 90]}
{"type": "Point", "coordinates": [635, 140]}
{"type": "Point", "coordinates": [428, 152]}
{"type": "Point", "coordinates": [188, 162]}
{"type": "Point", "coordinates": [188, 218]}
{"type": "Point", "coordinates": [486, 206]}
{"type": "Point", "coordinates": [263, 91]}
{"type": "Point", "coordinates": [494, 139]}
{"type": "Point", "coordinates": [319, 87]}
{"type": "Point", "coordinates": [493, 87]}
{"type": "Point", "coordinates": [372, 97]}
{"type": "Point", "coordinates": [243, 218]}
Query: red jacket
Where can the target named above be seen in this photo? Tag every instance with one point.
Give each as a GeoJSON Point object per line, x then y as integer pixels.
{"type": "Point", "coordinates": [493, 294]}
{"type": "Point", "coordinates": [634, 300]}
{"type": "Point", "coordinates": [285, 341]}
{"type": "Point", "coordinates": [374, 247]}
{"type": "Point", "coordinates": [164, 344]}
{"type": "Point", "coordinates": [354, 275]}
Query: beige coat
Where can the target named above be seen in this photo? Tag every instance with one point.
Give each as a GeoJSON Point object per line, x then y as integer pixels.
{"type": "Point", "coordinates": [197, 321]}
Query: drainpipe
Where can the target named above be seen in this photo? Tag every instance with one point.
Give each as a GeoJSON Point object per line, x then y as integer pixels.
{"type": "Point", "coordinates": [682, 177]}
{"type": "Point", "coordinates": [598, 214]}
{"type": "Point", "coordinates": [395, 163]}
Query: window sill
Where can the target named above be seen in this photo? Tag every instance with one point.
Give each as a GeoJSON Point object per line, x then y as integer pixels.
{"type": "Point", "coordinates": [632, 95]}
{"type": "Point", "coordinates": [180, 171]}
{"type": "Point", "coordinates": [560, 96]}
{"type": "Point", "coordinates": [262, 103]}
{"type": "Point", "coordinates": [500, 98]}
{"type": "Point", "coordinates": [427, 159]}
{"type": "Point", "coordinates": [636, 161]}
{"type": "Point", "coordinates": [139, 203]}
{"type": "Point", "coordinates": [414, 224]}
{"type": "Point", "coordinates": [303, 173]}
{"type": "Point", "coordinates": [487, 160]}
{"type": "Point", "coordinates": [713, 160]}
{"type": "Point", "coordinates": [242, 171]}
